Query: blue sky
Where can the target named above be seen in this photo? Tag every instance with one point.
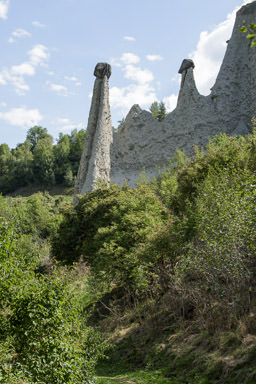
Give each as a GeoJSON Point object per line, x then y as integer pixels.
{"type": "Point", "coordinates": [49, 49]}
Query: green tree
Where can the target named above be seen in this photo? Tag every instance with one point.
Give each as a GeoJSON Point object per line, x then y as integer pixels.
{"type": "Point", "coordinates": [7, 181]}
{"type": "Point", "coordinates": [23, 164]}
{"type": "Point", "coordinates": [162, 111]}
{"type": "Point", "coordinates": [77, 139]}
{"type": "Point", "coordinates": [44, 161]}
{"type": "Point", "coordinates": [61, 158]}
{"type": "Point", "coordinates": [120, 123]}
{"type": "Point", "coordinates": [158, 110]}
{"type": "Point", "coordinates": [154, 109]}
{"type": "Point", "coordinates": [37, 160]}
{"type": "Point", "coordinates": [36, 133]}
{"type": "Point", "coordinates": [68, 178]}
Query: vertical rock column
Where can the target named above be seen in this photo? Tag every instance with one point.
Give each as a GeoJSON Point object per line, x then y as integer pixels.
{"type": "Point", "coordinates": [95, 161]}
{"type": "Point", "coordinates": [187, 85]}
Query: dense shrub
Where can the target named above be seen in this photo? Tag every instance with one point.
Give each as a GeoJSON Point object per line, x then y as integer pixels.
{"type": "Point", "coordinates": [42, 337]}
{"type": "Point", "coordinates": [107, 227]}
{"type": "Point", "coordinates": [221, 152]}
{"type": "Point", "coordinates": [165, 186]}
{"type": "Point", "coordinates": [191, 232]}
{"type": "Point", "coordinates": [222, 253]}
{"type": "Point", "coordinates": [37, 215]}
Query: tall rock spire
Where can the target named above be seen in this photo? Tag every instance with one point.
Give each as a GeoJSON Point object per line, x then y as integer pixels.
{"type": "Point", "coordinates": [95, 160]}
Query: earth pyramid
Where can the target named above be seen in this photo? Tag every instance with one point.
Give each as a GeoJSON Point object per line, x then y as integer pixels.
{"type": "Point", "coordinates": [145, 143]}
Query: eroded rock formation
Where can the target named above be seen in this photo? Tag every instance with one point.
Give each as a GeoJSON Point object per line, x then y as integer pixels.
{"type": "Point", "coordinates": [145, 143]}
{"type": "Point", "coordinates": [95, 162]}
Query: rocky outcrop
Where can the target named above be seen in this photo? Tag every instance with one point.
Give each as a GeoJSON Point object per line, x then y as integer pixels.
{"type": "Point", "coordinates": [95, 162]}
{"type": "Point", "coordinates": [145, 143]}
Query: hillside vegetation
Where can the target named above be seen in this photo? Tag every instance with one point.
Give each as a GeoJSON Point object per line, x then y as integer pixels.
{"type": "Point", "coordinates": [165, 272]}
{"type": "Point", "coordinates": [39, 162]}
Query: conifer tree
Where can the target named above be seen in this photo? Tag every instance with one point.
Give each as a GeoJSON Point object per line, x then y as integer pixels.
{"type": "Point", "coordinates": [158, 110]}
{"type": "Point", "coordinates": [154, 109]}
{"type": "Point", "coordinates": [162, 111]}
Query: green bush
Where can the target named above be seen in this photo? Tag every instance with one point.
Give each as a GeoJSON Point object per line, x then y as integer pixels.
{"type": "Point", "coordinates": [220, 259]}
{"type": "Point", "coordinates": [221, 152]}
{"type": "Point", "coordinates": [107, 227]}
{"type": "Point", "coordinates": [42, 337]}
{"type": "Point", "coordinates": [166, 184]}
{"type": "Point", "coordinates": [37, 215]}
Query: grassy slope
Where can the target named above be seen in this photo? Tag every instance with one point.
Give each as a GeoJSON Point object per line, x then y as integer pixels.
{"type": "Point", "coordinates": [148, 352]}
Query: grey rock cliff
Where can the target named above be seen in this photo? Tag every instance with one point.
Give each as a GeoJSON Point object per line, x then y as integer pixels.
{"type": "Point", "coordinates": [144, 143]}
{"type": "Point", "coordinates": [95, 162]}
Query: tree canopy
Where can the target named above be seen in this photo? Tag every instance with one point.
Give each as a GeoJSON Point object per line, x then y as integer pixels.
{"type": "Point", "coordinates": [39, 161]}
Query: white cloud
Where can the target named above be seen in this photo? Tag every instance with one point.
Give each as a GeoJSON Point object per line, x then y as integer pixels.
{"type": "Point", "coordinates": [71, 126]}
{"type": "Point", "coordinates": [59, 89]}
{"type": "Point", "coordinates": [38, 24]}
{"type": "Point", "coordinates": [15, 75]}
{"type": "Point", "coordinates": [176, 78]}
{"type": "Point", "coordinates": [18, 34]}
{"type": "Point", "coordinates": [71, 78]}
{"type": "Point", "coordinates": [115, 62]}
{"type": "Point", "coordinates": [39, 54]}
{"type": "Point", "coordinates": [170, 102]}
{"type": "Point", "coordinates": [154, 57]}
{"type": "Point", "coordinates": [4, 5]}
{"type": "Point", "coordinates": [141, 76]}
{"type": "Point", "coordinates": [124, 98]}
{"type": "Point", "coordinates": [129, 58]}
{"type": "Point", "coordinates": [22, 117]}
{"type": "Point", "coordinates": [3, 104]}
{"type": "Point", "coordinates": [62, 120]}
{"type": "Point", "coordinates": [23, 69]}
{"type": "Point", "coordinates": [2, 79]}
{"type": "Point", "coordinates": [140, 91]}
{"type": "Point", "coordinates": [129, 38]}
{"type": "Point", "coordinates": [247, 1]}
{"type": "Point", "coordinates": [64, 124]}
{"type": "Point", "coordinates": [16, 80]}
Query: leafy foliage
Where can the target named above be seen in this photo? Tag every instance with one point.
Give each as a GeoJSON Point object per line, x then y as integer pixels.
{"type": "Point", "coordinates": [107, 227]}
{"type": "Point", "coordinates": [185, 243]}
{"type": "Point", "coordinates": [158, 110]}
{"type": "Point", "coordinates": [35, 134]}
{"type": "Point", "coordinates": [42, 337]}
{"type": "Point", "coordinates": [38, 161]}
{"type": "Point", "coordinates": [221, 152]}
{"type": "Point", "coordinates": [222, 253]}
{"type": "Point", "coordinates": [251, 33]}
{"type": "Point", "coordinates": [129, 237]}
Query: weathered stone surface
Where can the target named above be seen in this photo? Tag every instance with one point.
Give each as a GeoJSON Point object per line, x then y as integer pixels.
{"type": "Point", "coordinates": [95, 161]}
{"type": "Point", "coordinates": [145, 143]}
{"type": "Point", "coordinates": [102, 69]}
{"type": "Point", "coordinates": [186, 64]}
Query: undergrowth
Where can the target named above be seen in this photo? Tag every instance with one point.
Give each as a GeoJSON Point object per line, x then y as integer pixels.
{"type": "Point", "coordinates": [165, 270]}
{"type": "Point", "coordinates": [186, 299]}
